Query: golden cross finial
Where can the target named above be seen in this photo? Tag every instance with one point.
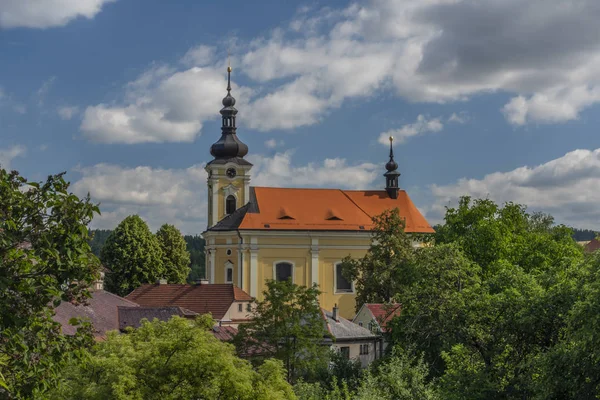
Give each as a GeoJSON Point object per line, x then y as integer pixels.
{"type": "Point", "coordinates": [391, 139]}
{"type": "Point", "coordinates": [228, 61]}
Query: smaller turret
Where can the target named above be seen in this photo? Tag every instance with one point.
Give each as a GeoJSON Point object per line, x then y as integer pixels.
{"type": "Point", "coordinates": [392, 174]}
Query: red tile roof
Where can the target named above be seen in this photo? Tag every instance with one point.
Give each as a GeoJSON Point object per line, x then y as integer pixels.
{"type": "Point", "coordinates": [133, 316]}
{"type": "Point", "coordinates": [224, 333]}
{"type": "Point", "coordinates": [328, 209]}
{"type": "Point", "coordinates": [592, 246]}
{"type": "Point", "coordinates": [101, 311]}
{"type": "Point", "coordinates": [383, 313]}
{"type": "Point", "coordinates": [202, 299]}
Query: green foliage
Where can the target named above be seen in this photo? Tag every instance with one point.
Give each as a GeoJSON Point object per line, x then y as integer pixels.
{"type": "Point", "coordinates": [434, 300]}
{"type": "Point", "coordinates": [133, 255]}
{"type": "Point", "coordinates": [195, 246]}
{"type": "Point", "coordinates": [45, 258]}
{"type": "Point", "coordinates": [171, 360]}
{"type": "Point", "coordinates": [97, 239]}
{"type": "Point", "coordinates": [176, 259]}
{"type": "Point", "coordinates": [380, 274]}
{"type": "Point", "coordinates": [287, 325]}
{"type": "Point", "coordinates": [401, 377]}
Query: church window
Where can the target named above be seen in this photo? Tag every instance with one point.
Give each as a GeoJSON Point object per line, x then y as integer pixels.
{"type": "Point", "coordinates": [230, 204]}
{"type": "Point", "coordinates": [228, 272]}
{"type": "Point", "coordinates": [342, 285]}
{"type": "Point", "coordinates": [283, 271]}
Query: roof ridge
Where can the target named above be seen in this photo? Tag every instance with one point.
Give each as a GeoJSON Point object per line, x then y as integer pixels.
{"type": "Point", "coordinates": [357, 206]}
{"type": "Point", "coordinates": [121, 298]}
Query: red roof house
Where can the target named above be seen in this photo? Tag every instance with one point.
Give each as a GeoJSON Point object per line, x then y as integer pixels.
{"type": "Point", "coordinates": [227, 303]}
{"type": "Point", "coordinates": [377, 316]}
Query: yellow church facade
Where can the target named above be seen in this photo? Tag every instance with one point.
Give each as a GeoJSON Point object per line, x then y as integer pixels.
{"type": "Point", "coordinates": [255, 234]}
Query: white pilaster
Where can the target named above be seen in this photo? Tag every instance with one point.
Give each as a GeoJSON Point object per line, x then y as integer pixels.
{"type": "Point", "coordinates": [246, 190]}
{"type": "Point", "coordinates": [214, 212]}
{"type": "Point", "coordinates": [213, 257]}
{"type": "Point", "coordinates": [253, 266]}
{"type": "Point", "coordinates": [314, 264]}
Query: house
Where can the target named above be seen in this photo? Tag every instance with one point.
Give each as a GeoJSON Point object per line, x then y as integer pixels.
{"type": "Point", "coordinates": [101, 310]}
{"type": "Point", "coordinates": [353, 341]}
{"type": "Point", "coordinates": [259, 233]}
{"type": "Point", "coordinates": [592, 246]}
{"type": "Point", "coordinates": [375, 317]}
{"type": "Point", "coordinates": [131, 317]}
{"type": "Point", "coordinates": [228, 304]}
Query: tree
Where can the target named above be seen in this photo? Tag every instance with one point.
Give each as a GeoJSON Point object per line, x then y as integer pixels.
{"type": "Point", "coordinates": [401, 377]}
{"type": "Point", "coordinates": [195, 246]}
{"type": "Point", "coordinates": [45, 258]}
{"type": "Point", "coordinates": [384, 269]}
{"type": "Point", "coordinates": [287, 325]}
{"type": "Point", "coordinates": [133, 255]}
{"type": "Point", "coordinates": [176, 259]}
{"type": "Point", "coordinates": [97, 239]}
{"type": "Point", "coordinates": [178, 359]}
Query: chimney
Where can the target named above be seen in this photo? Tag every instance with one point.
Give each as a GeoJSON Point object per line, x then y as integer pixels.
{"type": "Point", "coordinates": [335, 313]}
{"type": "Point", "coordinates": [162, 281]}
{"type": "Point", "coordinates": [203, 282]}
{"type": "Point", "coordinates": [99, 284]}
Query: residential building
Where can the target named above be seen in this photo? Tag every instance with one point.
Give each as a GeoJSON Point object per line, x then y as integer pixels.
{"type": "Point", "coordinates": [259, 233]}
{"type": "Point", "coordinates": [101, 310]}
{"type": "Point", "coordinates": [376, 317]}
{"type": "Point", "coordinates": [350, 339]}
{"type": "Point", "coordinates": [228, 304]}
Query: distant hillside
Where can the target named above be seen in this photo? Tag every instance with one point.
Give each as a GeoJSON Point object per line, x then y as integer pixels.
{"type": "Point", "coordinates": [195, 245]}
{"type": "Point", "coordinates": [581, 235]}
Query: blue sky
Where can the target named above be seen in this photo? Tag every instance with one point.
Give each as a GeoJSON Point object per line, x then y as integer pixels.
{"type": "Point", "coordinates": [495, 98]}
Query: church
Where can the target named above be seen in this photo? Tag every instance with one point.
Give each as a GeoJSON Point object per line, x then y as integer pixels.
{"type": "Point", "coordinates": [259, 233]}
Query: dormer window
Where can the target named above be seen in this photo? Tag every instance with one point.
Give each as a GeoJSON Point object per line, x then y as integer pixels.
{"type": "Point", "coordinates": [230, 205]}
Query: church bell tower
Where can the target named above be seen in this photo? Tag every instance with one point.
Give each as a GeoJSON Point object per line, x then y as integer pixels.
{"type": "Point", "coordinates": [228, 172]}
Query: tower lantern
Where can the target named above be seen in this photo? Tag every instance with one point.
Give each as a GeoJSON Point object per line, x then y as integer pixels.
{"type": "Point", "coordinates": [392, 174]}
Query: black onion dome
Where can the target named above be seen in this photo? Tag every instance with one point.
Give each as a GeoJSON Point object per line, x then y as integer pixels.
{"type": "Point", "coordinates": [228, 145]}
{"type": "Point", "coordinates": [391, 165]}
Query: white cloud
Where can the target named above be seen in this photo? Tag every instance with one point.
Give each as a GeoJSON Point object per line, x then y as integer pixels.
{"type": "Point", "coordinates": [279, 171]}
{"type": "Point", "coordinates": [46, 13]}
{"type": "Point", "coordinates": [175, 196]}
{"type": "Point", "coordinates": [567, 187]}
{"type": "Point", "coordinates": [421, 126]}
{"type": "Point", "coordinates": [272, 143]}
{"type": "Point", "coordinates": [6, 156]}
{"type": "Point", "coordinates": [178, 196]}
{"type": "Point", "coordinates": [67, 112]}
{"type": "Point", "coordinates": [199, 56]}
{"type": "Point", "coordinates": [422, 50]}
{"type": "Point", "coordinates": [160, 106]}
{"type": "Point", "coordinates": [460, 118]}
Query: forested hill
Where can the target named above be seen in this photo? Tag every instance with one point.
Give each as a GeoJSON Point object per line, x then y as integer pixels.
{"type": "Point", "coordinates": [579, 235]}
{"type": "Point", "coordinates": [194, 244]}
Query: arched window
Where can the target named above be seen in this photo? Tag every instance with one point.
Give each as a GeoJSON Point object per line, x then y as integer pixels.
{"type": "Point", "coordinates": [230, 204]}
{"type": "Point", "coordinates": [228, 272]}
{"type": "Point", "coordinates": [342, 285]}
{"type": "Point", "coordinates": [283, 271]}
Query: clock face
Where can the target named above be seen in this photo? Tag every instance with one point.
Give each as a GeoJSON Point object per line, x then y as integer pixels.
{"type": "Point", "coordinates": [230, 172]}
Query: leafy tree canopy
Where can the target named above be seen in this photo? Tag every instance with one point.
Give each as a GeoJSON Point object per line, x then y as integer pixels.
{"type": "Point", "coordinates": [287, 325]}
{"type": "Point", "coordinates": [45, 258]}
{"type": "Point", "coordinates": [178, 359]}
{"type": "Point", "coordinates": [176, 259]}
{"type": "Point", "coordinates": [133, 255]}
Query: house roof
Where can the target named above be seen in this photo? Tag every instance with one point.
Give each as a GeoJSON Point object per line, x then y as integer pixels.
{"type": "Point", "coordinates": [200, 298]}
{"type": "Point", "coordinates": [224, 333]}
{"type": "Point", "coordinates": [384, 313]}
{"type": "Point", "coordinates": [320, 209]}
{"type": "Point", "coordinates": [101, 310]}
{"type": "Point", "coordinates": [133, 316]}
{"type": "Point", "coordinates": [592, 246]}
{"type": "Point", "coordinates": [342, 329]}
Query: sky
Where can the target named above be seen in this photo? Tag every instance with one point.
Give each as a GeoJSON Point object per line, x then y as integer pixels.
{"type": "Point", "coordinates": [495, 99]}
